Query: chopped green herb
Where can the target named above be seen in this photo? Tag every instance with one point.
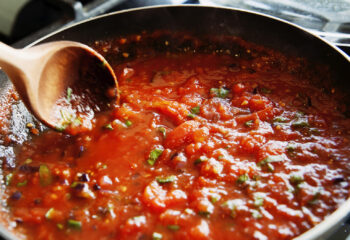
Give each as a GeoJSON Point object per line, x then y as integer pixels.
{"type": "Point", "coordinates": [243, 178]}
{"type": "Point", "coordinates": [59, 226]}
{"type": "Point", "coordinates": [299, 114]}
{"type": "Point", "coordinates": [196, 110]}
{"type": "Point", "coordinates": [220, 92]}
{"type": "Point", "coordinates": [69, 94]}
{"type": "Point", "coordinates": [108, 126]}
{"type": "Point", "coordinates": [22, 184]}
{"type": "Point", "coordinates": [77, 121]}
{"type": "Point", "coordinates": [205, 214]}
{"type": "Point", "coordinates": [280, 119]}
{"type": "Point", "coordinates": [200, 160]}
{"type": "Point", "coordinates": [291, 148]}
{"type": "Point", "coordinates": [230, 205]}
{"type": "Point", "coordinates": [50, 213]}
{"type": "Point", "coordinates": [173, 227]}
{"type": "Point", "coordinates": [8, 179]}
{"type": "Point", "coordinates": [66, 117]}
{"type": "Point", "coordinates": [215, 198]}
{"type": "Point", "coordinates": [256, 214]}
{"type": "Point", "coordinates": [28, 161]}
{"type": "Point", "coordinates": [167, 179]}
{"type": "Point", "coordinates": [270, 167]}
{"type": "Point", "coordinates": [162, 130]}
{"type": "Point", "coordinates": [300, 123]}
{"type": "Point", "coordinates": [270, 159]}
{"type": "Point", "coordinates": [315, 198]}
{"type": "Point", "coordinates": [266, 90]}
{"type": "Point", "coordinates": [74, 224]}
{"type": "Point", "coordinates": [74, 184]}
{"type": "Point", "coordinates": [154, 155]}
{"type": "Point", "coordinates": [191, 115]}
{"type": "Point", "coordinates": [128, 123]}
{"type": "Point", "coordinates": [296, 179]}
{"type": "Point", "coordinates": [60, 128]}
{"type": "Point", "coordinates": [157, 236]}
{"type": "Point", "coordinates": [249, 123]}
{"type": "Point", "coordinates": [314, 131]}
{"type": "Point", "coordinates": [45, 175]}
{"type": "Point", "coordinates": [258, 201]}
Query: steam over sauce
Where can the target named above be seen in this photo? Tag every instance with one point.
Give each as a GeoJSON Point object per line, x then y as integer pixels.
{"type": "Point", "coordinates": [210, 141]}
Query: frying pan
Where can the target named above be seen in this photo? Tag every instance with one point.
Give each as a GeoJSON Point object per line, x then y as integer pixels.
{"type": "Point", "coordinates": [253, 27]}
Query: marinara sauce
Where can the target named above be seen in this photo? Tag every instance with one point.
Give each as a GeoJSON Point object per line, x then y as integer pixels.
{"type": "Point", "coordinates": [217, 144]}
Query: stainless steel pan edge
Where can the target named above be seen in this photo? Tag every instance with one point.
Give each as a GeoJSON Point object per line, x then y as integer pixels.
{"type": "Point", "coordinates": [260, 28]}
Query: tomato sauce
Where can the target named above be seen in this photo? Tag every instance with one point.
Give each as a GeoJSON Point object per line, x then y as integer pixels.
{"type": "Point", "coordinates": [214, 144]}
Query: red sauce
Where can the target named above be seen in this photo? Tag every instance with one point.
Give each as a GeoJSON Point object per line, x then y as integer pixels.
{"type": "Point", "coordinates": [205, 145]}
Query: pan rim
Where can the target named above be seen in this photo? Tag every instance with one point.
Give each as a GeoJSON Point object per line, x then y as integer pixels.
{"type": "Point", "coordinates": [331, 222]}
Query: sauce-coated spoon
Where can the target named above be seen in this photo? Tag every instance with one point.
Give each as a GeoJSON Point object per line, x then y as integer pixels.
{"type": "Point", "coordinates": [62, 83]}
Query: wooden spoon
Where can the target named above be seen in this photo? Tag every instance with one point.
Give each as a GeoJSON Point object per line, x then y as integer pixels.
{"type": "Point", "coordinates": [62, 83]}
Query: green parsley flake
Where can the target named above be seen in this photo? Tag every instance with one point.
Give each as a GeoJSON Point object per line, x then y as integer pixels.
{"type": "Point", "coordinates": [45, 175]}
{"type": "Point", "coordinates": [256, 214]}
{"type": "Point", "coordinates": [173, 227]}
{"type": "Point", "coordinates": [220, 92]}
{"type": "Point", "coordinates": [168, 179]}
{"type": "Point", "coordinates": [60, 226]}
{"type": "Point", "coordinates": [299, 114]}
{"type": "Point", "coordinates": [200, 160]}
{"type": "Point", "coordinates": [22, 184]}
{"type": "Point", "coordinates": [291, 148]}
{"type": "Point", "coordinates": [28, 161]}
{"type": "Point", "coordinates": [249, 123]}
{"type": "Point", "coordinates": [258, 201]}
{"type": "Point", "coordinates": [128, 123]}
{"type": "Point", "coordinates": [214, 198]}
{"type": "Point", "coordinates": [280, 119]}
{"type": "Point", "coordinates": [315, 198]}
{"type": "Point", "coordinates": [196, 110]}
{"type": "Point", "coordinates": [243, 178]}
{"type": "Point", "coordinates": [162, 130]}
{"type": "Point", "coordinates": [69, 94]}
{"type": "Point", "coordinates": [205, 214]}
{"type": "Point", "coordinates": [191, 115]}
{"type": "Point", "coordinates": [296, 179]}
{"type": "Point", "coordinates": [300, 123]}
{"type": "Point", "coordinates": [8, 179]}
{"type": "Point", "coordinates": [74, 224]}
{"type": "Point", "coordinates": [231, 206]}
{"type": "Point", "coordinates": [77, 121]}
{"type": "Point", "coordinates": [108, 126]}
{"type": "Point", "coordinates": [270, 159]}
{"type": "Point", "coordinates": [154, 155]}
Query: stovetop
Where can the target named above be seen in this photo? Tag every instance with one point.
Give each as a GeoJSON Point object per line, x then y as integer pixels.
{"type": "Point", "coordinates": [24, 21]}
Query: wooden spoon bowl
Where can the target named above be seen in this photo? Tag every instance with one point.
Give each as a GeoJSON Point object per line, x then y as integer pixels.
{"type": "Point", "coordinates": [62, 83]}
